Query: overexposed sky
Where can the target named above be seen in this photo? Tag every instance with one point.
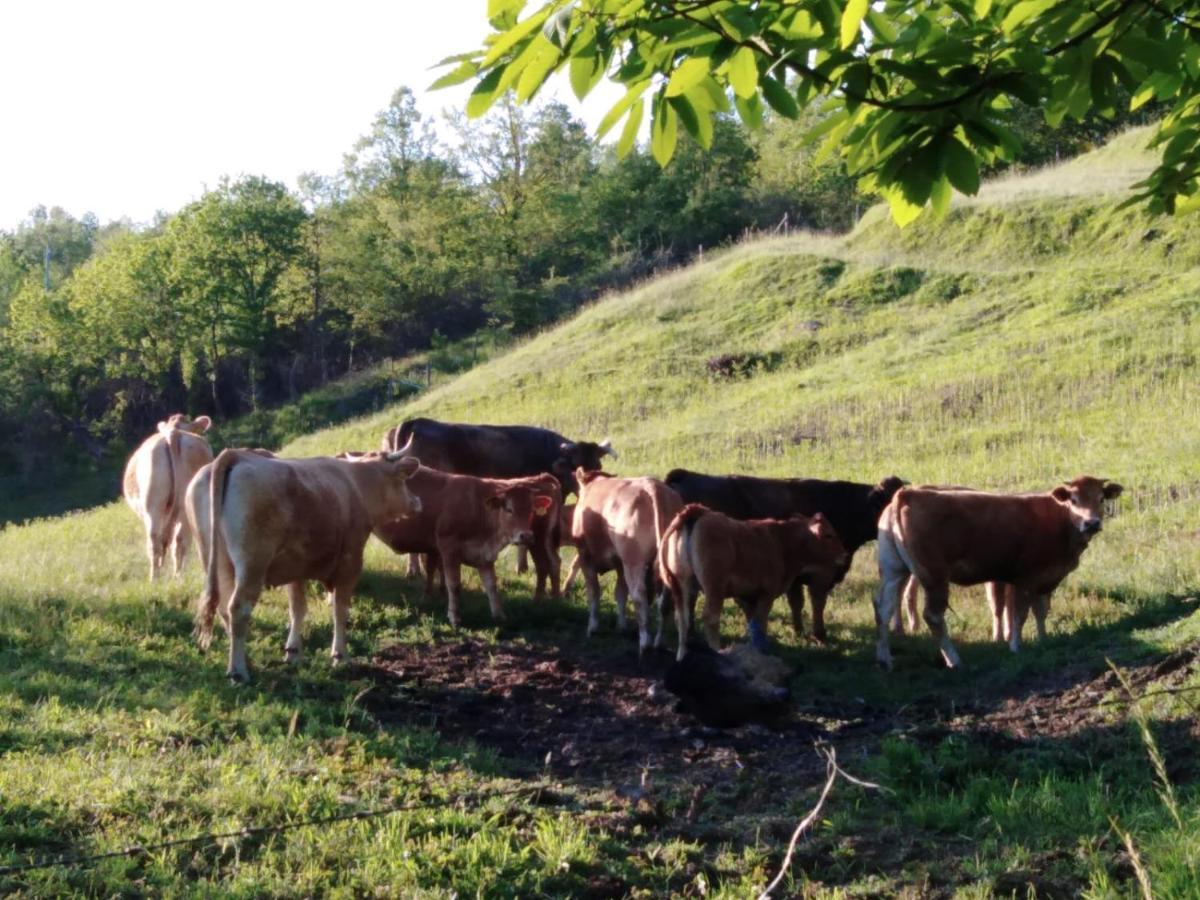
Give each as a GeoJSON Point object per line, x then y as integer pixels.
{"type": "Point", "coordinates": [125, 107]}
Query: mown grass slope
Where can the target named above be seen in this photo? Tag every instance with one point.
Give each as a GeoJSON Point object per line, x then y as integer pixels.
{"type": "Point", "coordinates": [1034, 334]}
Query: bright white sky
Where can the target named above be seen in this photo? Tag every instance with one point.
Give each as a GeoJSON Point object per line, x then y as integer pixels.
{"type": "Point", "coordinates": [125, 107]}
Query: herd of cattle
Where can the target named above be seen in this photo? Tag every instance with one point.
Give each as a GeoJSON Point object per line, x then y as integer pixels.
{"type": "Point", "coordinates": [452, 495]}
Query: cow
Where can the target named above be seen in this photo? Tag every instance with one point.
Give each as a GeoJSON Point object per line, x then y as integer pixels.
{"type": "Point", "coordinates": [851, 508]}
{"type": "Point", "coordinates": [1029, 542]}
{"type": "Point", "coordinates": [618, 524]}
{"type": "Point", "coordinates": [754, 560]}
{"type": "Point", "coordinates": [156, 478]}
{"type": "Point", "coordinates": [263, 522]}
{"type": "Point", "coordinates": [466, 520]}
{"type": "Point", "coordinates": [498, 451]}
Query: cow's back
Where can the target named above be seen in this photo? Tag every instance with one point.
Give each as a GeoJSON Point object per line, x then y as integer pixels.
{"type": "Point", "coordinates": [486, 451]}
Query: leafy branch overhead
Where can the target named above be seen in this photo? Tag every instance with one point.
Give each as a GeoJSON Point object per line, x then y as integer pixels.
{"type": "Point", "coordinates": [915, 94]}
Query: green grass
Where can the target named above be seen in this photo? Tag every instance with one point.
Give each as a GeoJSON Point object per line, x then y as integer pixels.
{"type": "Point", "coordinates": [1033, 335]}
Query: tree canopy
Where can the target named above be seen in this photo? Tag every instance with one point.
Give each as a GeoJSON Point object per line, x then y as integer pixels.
{"type": "Point", "coordinates": [917, 96]}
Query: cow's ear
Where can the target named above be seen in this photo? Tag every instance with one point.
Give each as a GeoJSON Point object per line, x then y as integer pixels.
{"type": "Point", "coordinates": [201, 424]}
{"type": "Point", "coordinates": [1062, 493]}
{"type": "Point", "coordinates": [542, 504]}
{"type": "Point", "coordinates": [1112, 490]}
{"type": "Point", "coordinates": [409, 466]}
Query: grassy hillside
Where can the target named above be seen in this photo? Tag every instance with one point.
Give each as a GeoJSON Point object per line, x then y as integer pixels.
{"type": "Point", "coordinates": [1034, 334]}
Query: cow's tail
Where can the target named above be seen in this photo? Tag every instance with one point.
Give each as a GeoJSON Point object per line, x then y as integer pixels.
{"type": "Point", "coordinates": [683, 522]}
{"type": "Point", "coordinates": [171, 438]}
{"type": "Point", "coordinates": [210, 599]}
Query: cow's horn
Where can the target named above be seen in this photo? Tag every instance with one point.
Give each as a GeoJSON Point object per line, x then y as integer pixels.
{"type": "Point", "coordinates": [406, 450]}
{"type": "Point", "coordinates": [607, 447]}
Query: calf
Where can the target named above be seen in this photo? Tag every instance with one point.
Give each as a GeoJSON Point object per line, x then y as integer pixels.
{"type": "Point", "coordinates": [156, 478]}
{"type": "Point", "coordinates": [850, 507]}
{"type": "Point", "coordinates": [754, 561]}
{"type": "Point", "coordinates": [263, 522]}
{"type": "Point", "coordinates": [618, 524]}
{"type": "Point", "coordinates": [466, 520]}
{"type": "Point", "coordinates": [1030, 542]}
{"type": "Point", "coordinates": [497, 451]}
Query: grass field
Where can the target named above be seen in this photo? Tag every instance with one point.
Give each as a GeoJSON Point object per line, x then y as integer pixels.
{"type": "Point", "coordinates": [1035, 334]}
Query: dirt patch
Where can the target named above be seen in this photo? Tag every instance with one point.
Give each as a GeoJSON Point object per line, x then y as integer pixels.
{"type": "Point", "coordinates": [593, 716]}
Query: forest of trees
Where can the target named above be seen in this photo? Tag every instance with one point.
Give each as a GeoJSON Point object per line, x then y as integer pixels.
{"type": "Point", "coordinates": [256, 293]}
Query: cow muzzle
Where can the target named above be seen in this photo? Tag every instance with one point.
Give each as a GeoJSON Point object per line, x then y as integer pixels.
{"type": "Point", "coordinates": [524, 538]}
{"type": "Point", "coordinates": [1091, 526]}
{"type": "Point", "coordinates": [414, 504]}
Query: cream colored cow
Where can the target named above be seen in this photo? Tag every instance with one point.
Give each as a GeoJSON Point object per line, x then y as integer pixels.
{"type": "Point", "coordinates": [156, 478]}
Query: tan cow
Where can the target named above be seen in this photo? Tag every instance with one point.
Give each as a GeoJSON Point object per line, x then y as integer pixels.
{"type": "Point", "coordinates": [156, 478]}
{"type": "Point", "coordinates": [1029, 541]}
{"type": "Point", "coordinates": [263, 522]}
{"type": "Point", "coordinates": [618, 523]}
{"type": "Point", "coordinates": [466, 520]}
{"type": "Point", "coordinates": [754, 561]}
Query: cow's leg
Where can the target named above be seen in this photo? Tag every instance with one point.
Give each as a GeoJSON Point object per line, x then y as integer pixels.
{"type": "Point", "coordinates": [819, 592]}
{"type": "Point", "coordinates": [548, 566]}
{"type": "Point", "coordinates": [684, 595]}
{"type": "Point", "coordinates": [339, 600]}
{"type": "Point", "coordinates": [487, 574]}
{"type": "Point", "coordinates": [572, 573]}
{"type": "Point", "coordinates": [664, 597]}
{"type": "Point", "coordinates": [907, 606]}
{"type": "Point", "coordinates": [711, 618]}
{"type": "Point", "coordinates": [891, 582]}
{"type": "Point", "coordinates": [157, 539]}
{"type": "Point", "coordinates": [621, 595]}
{"type": "Point", "coordinates": [433, 571]}
{"type": "Point", "coordinates": [522, 560]}
{"type": "Point", "coordinates": [1018, 602]}
{"type": "Point", "coordinates": [757, 608]}
{"type": "Point", "coordinates": [635, 580]}
{"type": "Point", "coordinates": [1041, 608]}
{"type": "Point", "coordinates": [246, 591]}
{"type": "Point", "coordinates": [591, 580]}
{"type": "Point", "coordinates": [297, 610]}
{"type": "Point", "coordinates": [937, 601]}
{"type": "Point", "coordinates": [453, 576]}
{"type": "Point", "coordinates": [795, 599]}
{"type": "Point", "coordinates": [179, 546]}
{"type": "Point", "coordinates": [997, 597]}
{"type": "Point", "coordinates": [414, 564]}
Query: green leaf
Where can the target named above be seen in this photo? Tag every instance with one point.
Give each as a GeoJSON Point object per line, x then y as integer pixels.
{"type": "Point", "coordinates": [940, 196]}
{"type": "Point", "coordinates": [780, 98]}
{"type": "Point", "coordinates": [689, 74]}
{"type": "Point", "coordinates": [1142, 97]}
{"type": "Point", "coordinates": [743, 72]}
{"type": "Point", "coordinates": [464, 72]}
{"type": "Point", "coordinates": [586, 72]}
{"type": "Point", "coordinates": [961, 166]}
{"type": "Point", "coordinates": [629, 133]}
{"type": "Point", "coordinates": [852, 17]}
{"type": "Point", "coordinates": [621, 107]}
{"type": "Point", "coordinates": [512, 37]}
{"type": "Point", "coordinates": [982, 8]}
{"type": "Point", "coordinates": [663, 131]}
{"type": "Point", "coordinates": [696, 121]}
{"type": "Point", "coordinates": [750, 110]}
{"type": "Point", "coordinates": [500, 7]}
{"type": "Point", "coordinates": [903, 212]}
{"type": "Point", "coordinates": [1022, 12]}
{"type": "Point", "coordinates": [485, 93]}
{"type": "Point", "coordinates": [881, 26]}
{"type": "Point", "coordinates": [538, 70]}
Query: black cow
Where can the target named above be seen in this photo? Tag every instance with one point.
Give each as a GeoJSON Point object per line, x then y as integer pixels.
{"type": "Point", "coordinates": [853, 509]}
{"type": "Point", "coordinates": [499, 451]}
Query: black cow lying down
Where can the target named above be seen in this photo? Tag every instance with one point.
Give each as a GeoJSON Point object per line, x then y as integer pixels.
{"type": "Point", "coordinates": [732, 687]}
{"type": "Point", "coordinates": [852, 508]}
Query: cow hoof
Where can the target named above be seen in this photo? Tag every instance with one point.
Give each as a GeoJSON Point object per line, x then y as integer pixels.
{"type": "Point", "coordinates": [291, 655]}
{"type": "Point", "coordinates": [338, 659]}
{"type": "Point", "coordinates": [237, 679]}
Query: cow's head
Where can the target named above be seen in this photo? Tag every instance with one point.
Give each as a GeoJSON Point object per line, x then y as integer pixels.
{"type": "Point", "coordinates": [881, 495]}
{"type": "Point", "coordinates": [575, 455]}
{"type": "Point", "coordinates": [399, 469]}
{"type": "Point", "coordinates": [1084, 499]}
{"type": "Point", "coordinates": [515, 508]}
{"type": "Point", "coordinates": [826, 547]}
{"type": "Point", "coordinates": [180, 422]}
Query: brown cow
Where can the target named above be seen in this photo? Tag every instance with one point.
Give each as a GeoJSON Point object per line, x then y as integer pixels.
{"type": "Point", "coordinates": [618, 523]}
{"type": "Point", "coordinates": [263, 522]}
{"type": "Point", "coordinates": [466, 520]}
{"type": "Point", "coordinates": [1029, 541]}
{"type": "Point", "coordinates": [156, 478]}
{"type": "Point", "coordinates": [998, 600]}
{"type": "Point", "coordinates": [754, 561]}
